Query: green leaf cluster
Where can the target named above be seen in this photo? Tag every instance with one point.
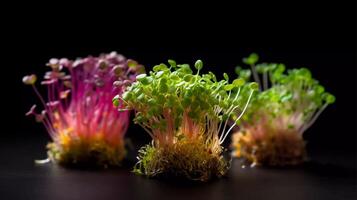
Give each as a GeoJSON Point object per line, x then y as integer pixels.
{"type": "Point", "coordinates": [174, 89]}
{"type": "Point", "coordinates": [289, 91]}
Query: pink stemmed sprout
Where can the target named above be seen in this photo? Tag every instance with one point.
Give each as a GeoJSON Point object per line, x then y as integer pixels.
{"type": "Point", "coordinates": [79, 114]}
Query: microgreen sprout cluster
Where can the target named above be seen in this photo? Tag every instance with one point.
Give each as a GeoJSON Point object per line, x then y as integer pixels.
{"type": "Point", "coordinates": [78, 113]}
{"type": "Point", "coordinates": [287, 105]}
{"type": "Point", "coordinates": [186, 114]}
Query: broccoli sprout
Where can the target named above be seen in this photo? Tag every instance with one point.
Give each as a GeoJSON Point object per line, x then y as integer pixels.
{"type": "Point", "coordinates": [186, 115]}
{"type": "Point", "coordinates": [287, 105]}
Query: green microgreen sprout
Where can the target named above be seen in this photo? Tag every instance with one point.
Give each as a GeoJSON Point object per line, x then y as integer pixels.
{"type": "Point", "coordinates": [186, 115]}
{"type": "Point", "coordinates": [286, 106]}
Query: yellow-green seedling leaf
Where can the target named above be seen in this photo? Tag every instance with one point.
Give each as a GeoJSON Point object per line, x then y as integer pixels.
{"type": "Point", "coordinates": [116, 101]}
{"type": "Point", "coordinates": [198, 64]}
{"type": "Point", "coordinates": [238, 82]}
{"type": "Point", "coordinates": [254, 86]}
{"type": "Point", "coordinates": [251, 59]}
{"type": "Point", "coordinates": [172, 63]}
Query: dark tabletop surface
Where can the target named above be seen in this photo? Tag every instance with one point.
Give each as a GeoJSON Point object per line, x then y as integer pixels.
{"type": "Point", "coordinates": [326, 176]}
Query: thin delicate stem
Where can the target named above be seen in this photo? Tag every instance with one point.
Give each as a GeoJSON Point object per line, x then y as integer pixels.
{"type": "Point", "coordinates": [265, 81]}
{"type": "Point", "coordinates": [234, 124]}
{"type": "Point", "coordinates": [39, 96]}
{"type": "Point", "coordinates": [312, 121]}
{"type": "Point", "coordinates": [256, 76]}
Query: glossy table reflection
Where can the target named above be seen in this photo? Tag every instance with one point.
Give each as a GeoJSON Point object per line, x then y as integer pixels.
{"type": "Point", "coordinates": [20, 178]}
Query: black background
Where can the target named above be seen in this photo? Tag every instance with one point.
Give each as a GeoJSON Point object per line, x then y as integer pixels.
{"type": "Point", "coordinates": [321, 37]}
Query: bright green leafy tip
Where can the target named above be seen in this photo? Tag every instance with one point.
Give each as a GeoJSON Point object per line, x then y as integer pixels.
{"type": "Point", "coordinates": [160, 67]}
{"type": "Point", "coordinates": [261, 68]}
{"type": "Point", "coordinates": [163, 88]}
{"type": "Point", "coordinates": [174, 77]}
{"type": "Point", "coordinates": [285, 94]}
{"type": "Point", "coordinates": [330, 98]}
{"type": "Point", "coordinates": [146, 80]}
{"type": "Point", "coordinates": [228, 87]}
{"type": "Point", "coordinates": [286, 97]}
{"type": "Point", "coordinates": [187, 77]}
{"type": "Point", "coordinates": [251, 59]}
{"type": "Point", "coordinates": [185, 68]}
{"type": "Point", "coordinates": [226, 77]}
{"type": "Point", "coordinates": [237, 70]}
{"type": "Point", "coordinates": [198, 64]}
{"type": "Point", "coordinates": [320, 89]}
{"type": "Point", "coordinates": [254, 86]}
{"type": "Point", "coordinates": [116, 101]}
{"type": "Point", "coordinates": [141, 97]}
{"type": "Point", "coordinates": [172, 63]}
{"type": "Point", "coordinates": [168, 94]}
{"type": "Point", "coordinates": [127, 95]}
{"type": "Point", "coordinates": [212, 76]}
{"type": "Point", "coordinates": [238, 82]}
{"type": "Point", "coordinates": [305, 73]}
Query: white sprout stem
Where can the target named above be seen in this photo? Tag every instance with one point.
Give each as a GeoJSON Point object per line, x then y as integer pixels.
{"type": "Point", "coordinates": [312, 121]}
{"type": "Point", "coordinates": [310, 115]}
{"type": "Point", "coordinates": [224, 128]}
{"type": "Point", "coordinates": [235, 98]}
{"type": "Point", "coordinates": [229, 111]}
{"type": "Point", "coordinates": [237, 95]}
{"type": "Point", "coordinates": [44, 161]}
{"type": "Point", "coordinates": [235, 122]}
{"type": "Point", "coordinates": [225, 125]}
{"type": "Point", "coordinates": [211, 126]}
{"type": "Point", "coordinates": [220, 125]}
{"type": "Point", "coordinates": [265, 81]}
{"type": "Point", "coordinates": [124, 109]}
{"type": "Point", "coordinates": [231, 108]}
{"type": "Point", "coordinates": [270, 78]}
{"type": "Point", "coordinates": [256, 76]}
{"type": "Point", "coordinates": [216, 90]}
{"type": "Point", "coordinates": [198, 72]}
{"type": "Point", "coordinates": [218, 110]}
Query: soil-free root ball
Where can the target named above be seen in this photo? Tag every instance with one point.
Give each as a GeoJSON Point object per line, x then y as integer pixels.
{"type": "Point", "coordinates": [86, 129]}
{"type": "Point", "coordinates": [287, 104]}
{"type": "Point", "coordinates": [186, 114]}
